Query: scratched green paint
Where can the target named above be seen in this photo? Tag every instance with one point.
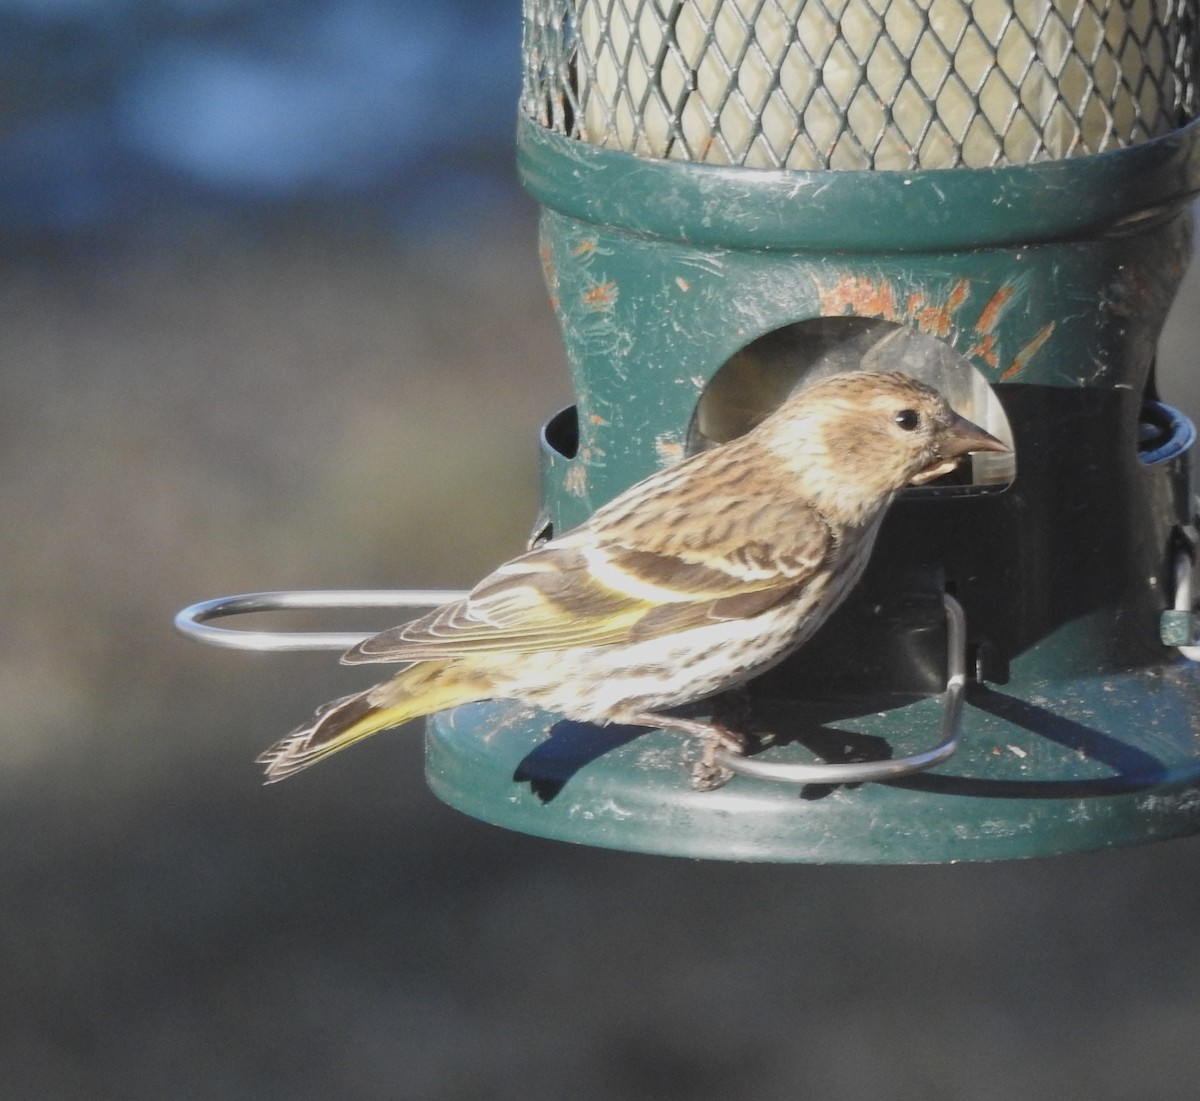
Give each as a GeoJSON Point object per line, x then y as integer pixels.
{"type": "Point", "coordinates": [1054, 281]}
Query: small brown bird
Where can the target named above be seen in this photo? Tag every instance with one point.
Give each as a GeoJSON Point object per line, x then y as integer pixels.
{"type": "Point", "coordinates": [689, 583]}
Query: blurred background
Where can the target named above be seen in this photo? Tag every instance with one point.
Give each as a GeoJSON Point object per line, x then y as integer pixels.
{"type": "Point", "coordinates": [271, 316]}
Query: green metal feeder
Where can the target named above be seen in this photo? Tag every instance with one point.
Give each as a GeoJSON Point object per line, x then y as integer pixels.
{"type": "Point", "coordinates": [739, 196]}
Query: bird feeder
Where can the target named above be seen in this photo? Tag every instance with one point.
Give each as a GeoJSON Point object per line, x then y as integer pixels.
{"type": "Point", "coordinates": [741, 196]}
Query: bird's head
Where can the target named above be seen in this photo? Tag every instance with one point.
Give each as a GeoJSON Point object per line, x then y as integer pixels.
{"type": "Point", "coordinates": [855, 440]}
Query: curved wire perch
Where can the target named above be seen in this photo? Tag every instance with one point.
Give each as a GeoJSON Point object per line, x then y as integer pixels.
{"type": "Point", "coordinates": [193, 621]}
{"type": "Point", "coordinates": [1184, 569]}
{"type": "Point", "coordinates": [858, 772]}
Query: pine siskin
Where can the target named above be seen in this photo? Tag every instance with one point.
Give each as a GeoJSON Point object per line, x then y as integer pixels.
{"type": "Point", "coordinates": [687, 584]}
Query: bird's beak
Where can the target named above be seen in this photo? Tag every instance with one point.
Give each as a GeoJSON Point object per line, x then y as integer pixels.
{"type": "Point", "coordinates": [960, 438]}
{"type": "Point", "coordinates": [963, 436]}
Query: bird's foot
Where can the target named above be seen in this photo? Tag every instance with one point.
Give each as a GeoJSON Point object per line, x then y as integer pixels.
{"type": "Point", "coordinates": [708, 773]}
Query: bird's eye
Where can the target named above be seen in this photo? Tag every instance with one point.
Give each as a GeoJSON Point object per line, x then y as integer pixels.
{"type": "Point", "coordinates": [908, 419]}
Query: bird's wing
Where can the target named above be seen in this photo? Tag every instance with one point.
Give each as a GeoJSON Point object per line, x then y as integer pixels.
{"type": "Point", "coordinates": [591, 587]}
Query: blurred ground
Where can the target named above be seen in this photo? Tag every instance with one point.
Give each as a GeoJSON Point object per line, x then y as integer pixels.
{"type": "Point", "coordinates": [308, 402]}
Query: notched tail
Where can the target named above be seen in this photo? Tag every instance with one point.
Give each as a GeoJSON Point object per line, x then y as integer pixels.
{"type": "Point", "coordinates": [418, 690]}
{"type": "Point", "coordinates": [333, 727]}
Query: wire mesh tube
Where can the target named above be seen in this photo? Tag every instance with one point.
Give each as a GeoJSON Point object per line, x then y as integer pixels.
{"type": "Point", "coordinates": [861, 84]}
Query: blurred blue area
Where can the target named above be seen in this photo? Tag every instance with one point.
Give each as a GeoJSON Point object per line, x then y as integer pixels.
{"type": "Point", "coordinates": [117, 110]}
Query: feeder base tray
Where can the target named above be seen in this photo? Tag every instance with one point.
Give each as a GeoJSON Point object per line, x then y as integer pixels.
{"type": "Point", "coordinates": [1046, 767]}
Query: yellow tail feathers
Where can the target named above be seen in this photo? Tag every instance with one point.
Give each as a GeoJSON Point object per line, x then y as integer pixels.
{"type": "Point", "coordinates": [421, 689]}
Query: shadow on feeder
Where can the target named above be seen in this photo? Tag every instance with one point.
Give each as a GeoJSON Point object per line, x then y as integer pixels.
{"type": "Point", "coordinates": [569, 747]}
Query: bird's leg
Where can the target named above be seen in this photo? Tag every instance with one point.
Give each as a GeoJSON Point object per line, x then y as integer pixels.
{"type": "Point", "coordinates": [709, 732]}
{"type": "Point", "coordinates": [706, 774]}
{"type": "Point", "coordinates": [733, 708]}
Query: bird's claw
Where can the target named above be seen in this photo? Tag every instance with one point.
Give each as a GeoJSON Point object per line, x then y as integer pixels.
{"type": "Point", "coordinates": [708, 773]}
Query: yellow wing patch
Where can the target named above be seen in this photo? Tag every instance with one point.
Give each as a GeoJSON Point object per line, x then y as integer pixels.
{"type": "Point", "coordinates": [580, 590]}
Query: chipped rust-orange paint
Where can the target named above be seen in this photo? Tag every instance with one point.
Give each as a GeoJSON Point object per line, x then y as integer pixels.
{"type": "Point", "coordinates": [958, 295]}
{"type": "Point", "coordinates": [856, 294]}
{"type": "Point", "coordinates": [1022, 358]}
{"type": "Point", "coordinates": [985, 349]}
{"type": "Point", "coordinates": [865, 297]}
{"type": "Point", "coordinates": [938, 319]}
{"type": "Point", "coordinates": [601, 296]}
{"type": "Point", "coordinates": [859, 295]}
{"type": "Point", "coordinates": [995, 307]}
